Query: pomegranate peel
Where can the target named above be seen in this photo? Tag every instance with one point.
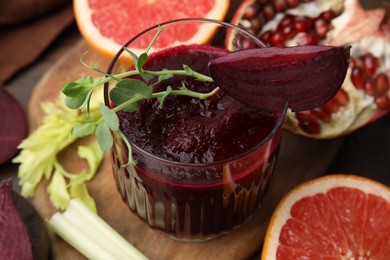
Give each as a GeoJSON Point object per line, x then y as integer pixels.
{"type": "Point", "coordinates": [355, 23]}
{"type": "Point", "coordinates": [305, 77]}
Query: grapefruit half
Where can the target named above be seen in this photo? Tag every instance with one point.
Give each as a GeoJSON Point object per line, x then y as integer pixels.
{"type": "Point", "coordinates": [107, 25]}
{"type": "Point", "coordinates": [331, 217]}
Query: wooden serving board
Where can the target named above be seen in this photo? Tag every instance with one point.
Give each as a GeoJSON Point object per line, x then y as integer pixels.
{"type": "Point", "coordinates": [300, 159]}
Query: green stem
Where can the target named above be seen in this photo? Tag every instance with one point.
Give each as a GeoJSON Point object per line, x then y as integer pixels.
{"type": "Point", "coordinates": [187, 92]}
{"type": "Point", "coordinates": [197, 75]}
{"type": "Point", "coordinates": [128, 102]}
{"type": "Point", "coordinates": [181, 92]}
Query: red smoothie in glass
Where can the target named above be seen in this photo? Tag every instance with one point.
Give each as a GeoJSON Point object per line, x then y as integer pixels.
{"type": "Point", "coordinates": [203, 166]}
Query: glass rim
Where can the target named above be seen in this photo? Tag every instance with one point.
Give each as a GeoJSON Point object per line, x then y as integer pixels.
{"type": "Point", "coordinates": [269, 136]}
{"type": "Point", "coordinates": [135, 37]}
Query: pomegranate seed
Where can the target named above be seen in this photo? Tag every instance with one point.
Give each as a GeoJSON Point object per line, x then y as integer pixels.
{"type": "Point", "coordinates": [292, 3]}
{"type": "Point", "coordinates": [251, 11]}
{"type": "Point", "coordinates": [321, 28]}
{"type": "Point", "coordinates": [323, 115]}
{"type": "Point", "coordinates": [371, 64]}
{"type": "Point", "coordinates": [266, 36]}
{"type": "Point", "coordinates": [277, 39]}
{"type": "Point", "coordinates": [355, 62]}
{"type": "Point", "coordinates": [269, 12]}
{"type": "Point", "coordinates": [370, 87]}
{"type": "Point", "coordinates": [357, 78]}
{"type": "Point", "coordinates": [383, 102]}
{"type": "Point", "coordinates": [306, 116]}
{"type": "Point", "coordinates": [288, 32]}
{"type": "Point", "coordinates": [327, 16]}
{"type": "Point", "coordinates": [341, 98]}
{"type": "Point", "coordinates": [247, 44]}
{"type": "Point", "coordinates": [307, 39]}
{"type": "Point", "coordinates": [286, 21]}
{"type": "Point", "coordinates": [331, 106]}
{"type": "Point", "coordinates": [382, 84]}
{"type": "Point", "coordinates": [280, 5]}
{"type": "Point", "coordinates": [302, 24]}
{"type": "Point", "coordinates": [258, 22]}
{"type": "Point", "coordinates": [310, 127]}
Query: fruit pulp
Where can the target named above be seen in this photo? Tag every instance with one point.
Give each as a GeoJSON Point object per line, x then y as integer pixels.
{"type": "Point", "coordinates": [203, 166]}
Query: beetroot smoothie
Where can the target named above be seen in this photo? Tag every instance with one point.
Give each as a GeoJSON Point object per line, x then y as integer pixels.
{"type": "Point", "coordinates": [203, 166]}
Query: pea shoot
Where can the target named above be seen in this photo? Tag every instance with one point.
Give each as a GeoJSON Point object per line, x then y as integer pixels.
{"type": "Point", "coordinates": [126, 95]}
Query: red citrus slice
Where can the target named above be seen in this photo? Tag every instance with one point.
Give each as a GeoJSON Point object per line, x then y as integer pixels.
{"type": "Point", "coordinates": [332, 217]}
{"type": "Point", "coordinates": [106, 25]}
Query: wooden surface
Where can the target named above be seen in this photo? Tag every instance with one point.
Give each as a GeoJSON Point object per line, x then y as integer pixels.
{"type": "Point", "coordinates": [300, 159]}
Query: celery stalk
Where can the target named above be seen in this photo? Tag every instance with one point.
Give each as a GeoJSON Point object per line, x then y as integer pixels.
{"type": "Point", "coordinates": [106, 231]}
{"type": "Point", "coordinates": [79, 240]}
{"type": "Point", "coordinates": [87, 232]}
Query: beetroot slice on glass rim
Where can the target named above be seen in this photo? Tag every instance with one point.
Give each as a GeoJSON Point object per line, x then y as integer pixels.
{"type": "Point", "coordinates": [365, 94]}
{"type": "Point", "coordinates": [305, 77]}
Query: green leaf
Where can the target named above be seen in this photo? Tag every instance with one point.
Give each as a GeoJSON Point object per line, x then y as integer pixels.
{"type": "Point", "coordinates": [132, 107]}
{"type": "Point", "coordinates": [166, 94]}
{"type": "Point", "coordinates": [58, 192]}
{"type": "Point", "coordinates": [75, 102]}
{"type": "Point", "coordinates": [93, 155]}
{"type": "Point", "coordinates": [79, 87]}
{"type": "Point", "coordinates": [104, 137]}
{"type": "Point", "coordinates": [137, 87]}
{"type": "Point", "coordinates": [71, 89]}
{"type": "Point", "coordinates": [141, 61]}
{"type": "Point", "coordinates": [110, 117]}
{"type": "Point", "coordinates": [130, 89]}
{"type": "Point", "coordinates": [84, 129]}
{"type": "Point", "coordinates": [133, 55]}
{"type": "Point", "coordinates": [146, 76]}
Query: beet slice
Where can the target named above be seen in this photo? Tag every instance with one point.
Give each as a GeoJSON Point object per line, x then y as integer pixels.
{"type": "Point", "coordinates": [266, 78]}
{"type": "Point", "coordinates": [14, 239]}
{"type": "Point", "coordinates": [13, 125]}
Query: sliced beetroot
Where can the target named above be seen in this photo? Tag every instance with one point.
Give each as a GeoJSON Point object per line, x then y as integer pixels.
{"type": "Point", "coordinates": [13, 126]}
{"type": "Point", "coordinates": [14, 239]}
{"type": "Point", "coordinates": [266, 78]}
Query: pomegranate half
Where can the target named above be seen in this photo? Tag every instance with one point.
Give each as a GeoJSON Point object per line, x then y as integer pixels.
{"type": "Point", "coordinates": [365, 94]}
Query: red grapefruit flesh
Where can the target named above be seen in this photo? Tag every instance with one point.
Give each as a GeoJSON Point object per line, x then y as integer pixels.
{"type": "Point", "coordinates": [107, 25]}
{"type": "Point", "coordinates": [331, 217]}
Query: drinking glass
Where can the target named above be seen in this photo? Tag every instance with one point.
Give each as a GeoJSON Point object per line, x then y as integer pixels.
{"type": "Point", "coordinates": [194, 201]}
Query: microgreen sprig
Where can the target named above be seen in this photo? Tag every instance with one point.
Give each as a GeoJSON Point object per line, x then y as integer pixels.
{"type": "Point", "coordinates": [126, 95]}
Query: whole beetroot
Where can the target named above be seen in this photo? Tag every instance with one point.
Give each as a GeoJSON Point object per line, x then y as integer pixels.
{"type": "Point", "coordinates": [19, 222]}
